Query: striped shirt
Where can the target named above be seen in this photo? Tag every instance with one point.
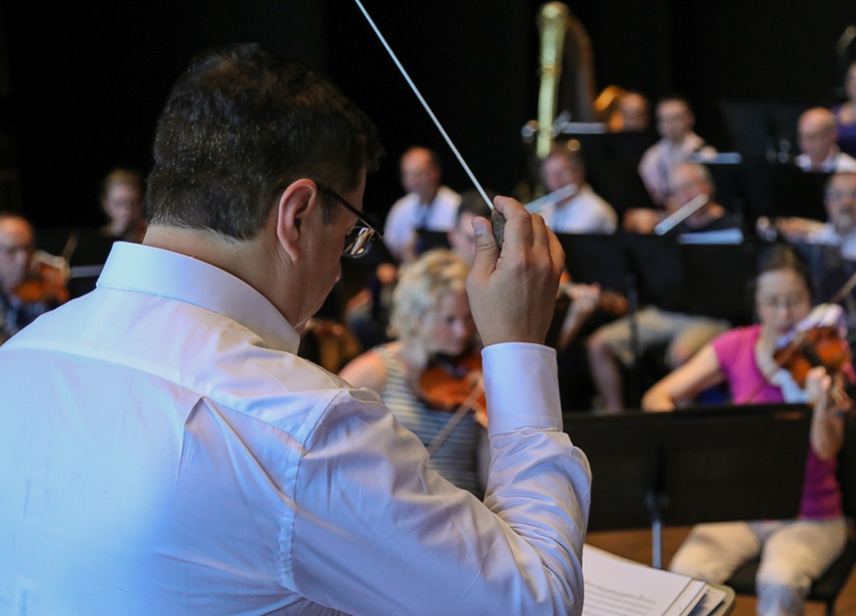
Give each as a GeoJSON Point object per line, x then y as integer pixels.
{"type": "Point", "coordinates": [457, 457]}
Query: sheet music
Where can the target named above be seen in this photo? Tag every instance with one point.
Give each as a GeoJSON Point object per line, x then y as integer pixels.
{"type": "Point", "coordinates": [618, 587]}
{"type": "Point", "coordinates": [711, 600]}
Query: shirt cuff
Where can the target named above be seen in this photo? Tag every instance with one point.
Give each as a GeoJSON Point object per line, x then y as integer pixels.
{"type": "Point", "coordinates": [521, 387]}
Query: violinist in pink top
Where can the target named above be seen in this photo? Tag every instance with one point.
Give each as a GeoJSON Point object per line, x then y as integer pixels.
{"type": "Point", "coordinates": [793, 552]}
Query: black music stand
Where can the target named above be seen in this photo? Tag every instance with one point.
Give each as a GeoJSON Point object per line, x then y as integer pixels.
{"type": "Point", "coordinates": [428, 240]}
{"type": "Point", "coordinates": [719, 279]}
{"type": "Point", "coordinates": [713, 464]}
{"type": "Point", "coordinates": [707, 279]}
{"type": "Point", "coordinates": [801, 193]}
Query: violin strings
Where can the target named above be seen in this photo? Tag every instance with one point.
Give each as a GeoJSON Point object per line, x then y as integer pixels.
{"type": "Point", "coordinates": [425, 104]}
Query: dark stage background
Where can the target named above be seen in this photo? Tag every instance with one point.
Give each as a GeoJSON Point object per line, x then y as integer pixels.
{"type": "Point", "coordinates": [84, 82]}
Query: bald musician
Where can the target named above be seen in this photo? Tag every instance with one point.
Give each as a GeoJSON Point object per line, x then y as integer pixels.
{"type": "Point", "coordinates": [817, 136]}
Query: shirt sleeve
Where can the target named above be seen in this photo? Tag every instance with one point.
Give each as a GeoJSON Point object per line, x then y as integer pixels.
{"type": "Point", "coordinates": [376, 532]}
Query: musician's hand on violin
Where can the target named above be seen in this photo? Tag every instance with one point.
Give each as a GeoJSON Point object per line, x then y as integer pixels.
{"type": "Point", "coordinates": [512, 292]}
{"type": "Point", "coordinates": [817, 384]}
{"type": "Point", "coordinates": [827, 430]}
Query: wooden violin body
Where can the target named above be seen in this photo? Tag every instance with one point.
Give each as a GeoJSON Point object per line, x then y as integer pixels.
{"type": "Point", "coordinates": [819, 346]}
{"type": "Point", "coordinates": [454, 384]}
{"type": "Point", "coordinates": [46, 284]}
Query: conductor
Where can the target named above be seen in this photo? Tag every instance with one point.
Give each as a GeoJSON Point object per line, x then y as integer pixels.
{"type": "Point", "coordinates": [165, 451]}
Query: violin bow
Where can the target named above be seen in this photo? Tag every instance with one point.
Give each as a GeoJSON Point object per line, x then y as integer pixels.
{"type": "Point", "coordinates": [497, 218]}
{"type": "Point", "coordinates": [466, 406]}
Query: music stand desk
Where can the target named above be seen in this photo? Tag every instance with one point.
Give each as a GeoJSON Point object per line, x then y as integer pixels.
{"type": "Point", "coordinates": [709, 464]}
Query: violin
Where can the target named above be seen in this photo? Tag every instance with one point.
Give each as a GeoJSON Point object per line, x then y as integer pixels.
{"type": "Point", "coordinates": [823, 344]}
{"type": "Point", "coordinates": [611, 302]}
{"type": "Point", "coordinates": [45, 284]}
{"type": "Point", "coordinates": [454, 385]}
{"type": "Point", "coordinates": [446, 383]}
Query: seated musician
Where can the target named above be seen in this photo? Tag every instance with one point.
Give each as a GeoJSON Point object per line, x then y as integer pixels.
{"type": "Point", "coordinates": [684, 334]}
{"type": "Point", "coordinates": [462, 237]}
{"type": "Point", "coordinates": [686, 182]}
{"type": "Point", "coordinates": [632, 113]}
{"type": "Point", "coordinates": [122, 200]}
{"type": "Point", "coordinates": [840, 230]}
{"type": "Point", "coordinates": [793, 552]}
{"type": "Point", "coordinates": [817, 137]}
{"type": "Point", "coordinates": [28, 287]}
{"type": "Point", "coordinates": [582, 212]}
{"type": "Point", "coordinates": [368, 312]}
{"type": "Point", "coordinates": [430, 316]}
{"type": "Point", "coordinates": [678, 144]}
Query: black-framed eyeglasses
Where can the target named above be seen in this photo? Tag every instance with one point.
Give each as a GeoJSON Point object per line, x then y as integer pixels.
{"type": "Point", "coordinates": [359, 240]}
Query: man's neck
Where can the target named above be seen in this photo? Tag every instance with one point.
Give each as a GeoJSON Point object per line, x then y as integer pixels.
{"type": "Point", "coordinates": [248, 260]}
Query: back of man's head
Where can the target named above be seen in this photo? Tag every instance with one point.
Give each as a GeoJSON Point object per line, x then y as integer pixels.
{"type": "Point", "coordinates": [238, 128]}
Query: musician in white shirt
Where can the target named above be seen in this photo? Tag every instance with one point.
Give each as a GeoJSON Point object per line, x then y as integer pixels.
{"type": "Point", "coordinates": [427, 205]}
{"type": "Point", "coordinates": [817, 136]}
{"type": "Point", "coordinates": [584, 211]}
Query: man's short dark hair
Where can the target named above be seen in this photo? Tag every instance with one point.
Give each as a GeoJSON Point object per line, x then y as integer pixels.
{"type": "Point", "coordinates": [238, 128]}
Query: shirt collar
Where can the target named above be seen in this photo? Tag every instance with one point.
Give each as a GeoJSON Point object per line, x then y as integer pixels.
{"type": "Point", "coordinates": [144, 269]}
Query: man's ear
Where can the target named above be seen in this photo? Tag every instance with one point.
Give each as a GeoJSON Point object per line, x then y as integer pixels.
{"type": "Point", "coordinates": [294, 205]}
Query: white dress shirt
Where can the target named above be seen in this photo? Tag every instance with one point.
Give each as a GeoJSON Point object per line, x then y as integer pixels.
{"type": "Point", "coordinates": [408, 214]}
{"type": "Point", "coordinates": [585, 212]}
{"type": "Point", "coordinates": [164, 451]}
{"type": "Point", "coordinates": [836, 162]}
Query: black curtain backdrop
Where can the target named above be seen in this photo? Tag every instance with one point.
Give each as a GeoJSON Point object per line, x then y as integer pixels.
{"type": "Point", "coordinates": [88, 79]}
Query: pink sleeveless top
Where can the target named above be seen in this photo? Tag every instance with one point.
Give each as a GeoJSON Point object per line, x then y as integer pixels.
{"type": "Point", "coordinates": [735, 350]}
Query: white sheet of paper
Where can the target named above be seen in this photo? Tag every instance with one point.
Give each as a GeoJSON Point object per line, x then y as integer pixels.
{"type": "Point", "coordinates": [618, 587]}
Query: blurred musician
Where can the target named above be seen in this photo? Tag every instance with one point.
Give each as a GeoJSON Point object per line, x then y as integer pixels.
{"type": "Point", "coordinates": [582, 212]}
{"type": "Point", "coordinates": [817, 135]}
{"type": "Point", "coordinates": [683, 333]}
{"type": "Point", "coordinates": [462, 237]}
{"type": "Point", "coordinates": [28, 287]}
{"type": "Point", "coordinates": [430, 317]}
{"type": "Point", "coordinates": [122, 201]}
{"type": "Point", "coordinates": [793, 552]}
{"type": "Point", "coordinates": [427, 205]}
{"type": "Point", "coordinates": [678, 144]}
{"type": "Point", "coordinates": [632, 113]}
{"type": "Point", "coordinates": [839, 230]}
